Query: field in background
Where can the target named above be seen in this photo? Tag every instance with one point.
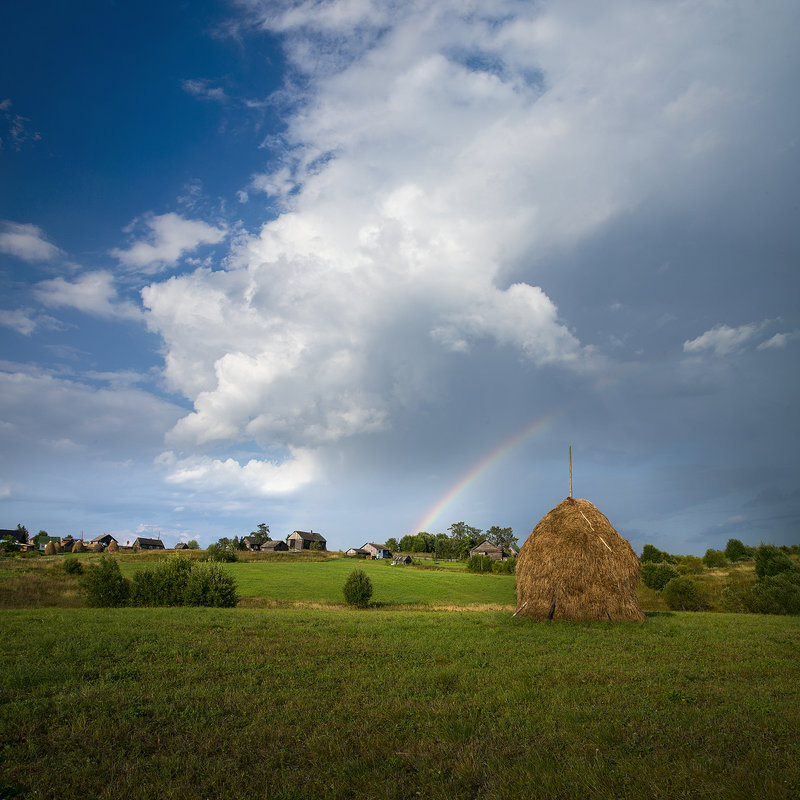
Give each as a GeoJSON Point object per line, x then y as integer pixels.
{"type": "Point", "coordinates": [298, 703]}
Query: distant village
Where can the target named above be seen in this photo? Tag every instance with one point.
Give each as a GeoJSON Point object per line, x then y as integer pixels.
{"type": "Point", "coordinates": [258, 541]}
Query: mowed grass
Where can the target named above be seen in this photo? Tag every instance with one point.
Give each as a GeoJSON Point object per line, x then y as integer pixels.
{"type": "Point", "coordinates": [288, 581]}
{"type": "Point", "coordinates": [296, 703]}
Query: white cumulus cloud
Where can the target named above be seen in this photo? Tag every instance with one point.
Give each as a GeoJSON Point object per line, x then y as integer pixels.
{"type": "Point", "coordinates": [435, 153]}
{"type": "Point", "coordinates": [256, 478]}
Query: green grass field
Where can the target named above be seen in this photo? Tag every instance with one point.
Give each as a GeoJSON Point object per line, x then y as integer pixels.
{"type": "Point", "coordinates": [294, 703]}
{"type": "Point", "coordinates": [287, 581]}
{"type": "Point", "coordinates": [297, 696]}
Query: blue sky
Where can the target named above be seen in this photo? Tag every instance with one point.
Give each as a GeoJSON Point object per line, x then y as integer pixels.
{"type": "Point", "coordinates": [323, 264]}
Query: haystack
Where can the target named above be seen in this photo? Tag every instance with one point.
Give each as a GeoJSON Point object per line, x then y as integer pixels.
{"type": "Point", "coordinates": [97, 547]}
{"type": "Point", "coordinates": [575, 566]}
{"type": "Point", "coordinates": [78, 547]}
{"type": "Point", "coordinates": [50, 549]}
{"type": "Point", "coordinates": [113, 547]}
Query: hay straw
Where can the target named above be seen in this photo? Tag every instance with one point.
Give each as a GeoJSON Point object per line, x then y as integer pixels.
{"type": "Point", "coordinates": [565, 571]}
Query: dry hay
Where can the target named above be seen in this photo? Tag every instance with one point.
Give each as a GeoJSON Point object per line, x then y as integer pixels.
{"type": "Point", "coordinates": [113, 547]}
{"type": "Point", "coordinates": [78, 547]}
{"type": "Point", "coordinates": [98, 547]}
{"type": "Point", "coordinates": [50, 549]}
{"type": "Point", "coordinates": [575, 566]}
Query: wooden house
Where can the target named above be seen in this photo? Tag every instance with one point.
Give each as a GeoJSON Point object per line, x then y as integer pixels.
{"type": "Point", "coordinates": [271, 545]}
{"type": "Point", "coordinates": [303, 540]}
{"type": "Point", "coordinates": [144, 543]}
{"type": "Point", "coordinates": [486, 548]}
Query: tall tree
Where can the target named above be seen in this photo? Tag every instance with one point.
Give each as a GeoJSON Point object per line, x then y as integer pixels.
{"type": "Point", "coordinates": [502, 537]}
{"type": "Point", "coordinates": [261, 533]}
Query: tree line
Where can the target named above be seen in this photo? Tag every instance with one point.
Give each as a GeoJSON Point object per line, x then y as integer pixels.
{"type": "Point", "coordinates": [457, 544]}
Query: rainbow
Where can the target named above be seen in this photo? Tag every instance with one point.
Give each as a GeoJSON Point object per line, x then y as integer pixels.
{"type": "Point", "coordinates": [485, 464]}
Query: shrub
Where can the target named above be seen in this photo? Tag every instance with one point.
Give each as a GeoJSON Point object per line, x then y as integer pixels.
{"type": "Point", "coordinates": [737, 596]}
{"type": "Point", "coordinates": [771, 560]}
{"type": "Point", "coordinates": [714, 558]}
{"type": "Point", "coordinates": [691, 565]}
{"type": "Point", "coordinates": [222, 555]}
{"type": "Point", "coordinates": [162, 584]}
{"type": "Point", "coordinates": [777, 594]}
{"type": "Point", "coordinates": [358, 589]}
{"type": "Point", "coordinates": [657, 576]}
{"type": "Point", "coordinates": [685, 594]}
{"type": "Point", "coordinates": [105, 585]}
{"type": "Point", "coordinates": [479, 563]}
{"type": "Point", "coordinates": [210, 585]}
{"type": "Point", "coordinates": [507, 567]}
{"type": "Point", "coordinates": [72, 566]}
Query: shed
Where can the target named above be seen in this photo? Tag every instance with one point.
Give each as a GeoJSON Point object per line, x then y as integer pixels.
{"type": "Point", "coordinates": [486, 548]}
{"type": "Point", "coordinates": [144, 543]}
{"type": "Point", "coordinates": [401, 560]}
{"type": "Point", "coordinates": [355, 552]}
{"type": "Point", "coordinates": [181, 546]}
{"type": "Point", "coordinates": [251, 543]}
{"type": "Point", "coordinates": [303, 540]}
{"type": "Point", "coordinates": [104, 539]}
{"type": "Point", "coordinates": [271, 545]}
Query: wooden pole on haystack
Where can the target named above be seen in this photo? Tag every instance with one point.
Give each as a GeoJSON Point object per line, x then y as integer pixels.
{"type": "Point", "coordinates": [570, 470]}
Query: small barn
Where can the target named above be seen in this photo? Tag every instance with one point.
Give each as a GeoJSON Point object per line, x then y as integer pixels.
{"type": "Point", "coordinates": [356, 552]}
{"type": "Point", "coordinates": [251, 543]}
{"type": "Point", "coordinates": [271, 545]}
{"type": "Point", "coordinates": [401, 560]}
{"type": "Point", "coordinates": [575, 566]}
{"type": "Point", "coordinates": [306, 540]}
{"type": "Point", "coordinates": [486, 548]}
{"type": "Point", "coordinates": [104, 539]}
{"type": "Point", "coordinates": [144, 543]}
{"type": "Point", "coordinates": [181, 546]}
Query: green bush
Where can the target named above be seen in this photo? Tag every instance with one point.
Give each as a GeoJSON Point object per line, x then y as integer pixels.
{"type": "Point", "coordinates": [358, 589]}
{"type": "Point", "coordinates": [657, 576]}
{"type": "Point", "coordinates": [210, 585]}
{"type": "Point", "coordinates": [737, 596]}
{"type": "Point", "coordinates": [479, 563]}
{"type": "Point", "coordinates": [162, 584]}
{"type": "Point", "coordinates": [72, 566]}
{"type": "Point", "coordinates": [685, 594]}
{"type": "Point", "coordinates": [222, 555]}
{"type": "Point", "coordinates": [715, 558]}
{"type": "Point", "coordinates": [691, 565]}
{"type": "Point", "coordinates": [507, 567]}
{"type": "Point", "coordinates": [771, 560]}
{"type": "Point", "coordinates": [104, 584]}
{"type": "Point", "coordinates": [777, 594]}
